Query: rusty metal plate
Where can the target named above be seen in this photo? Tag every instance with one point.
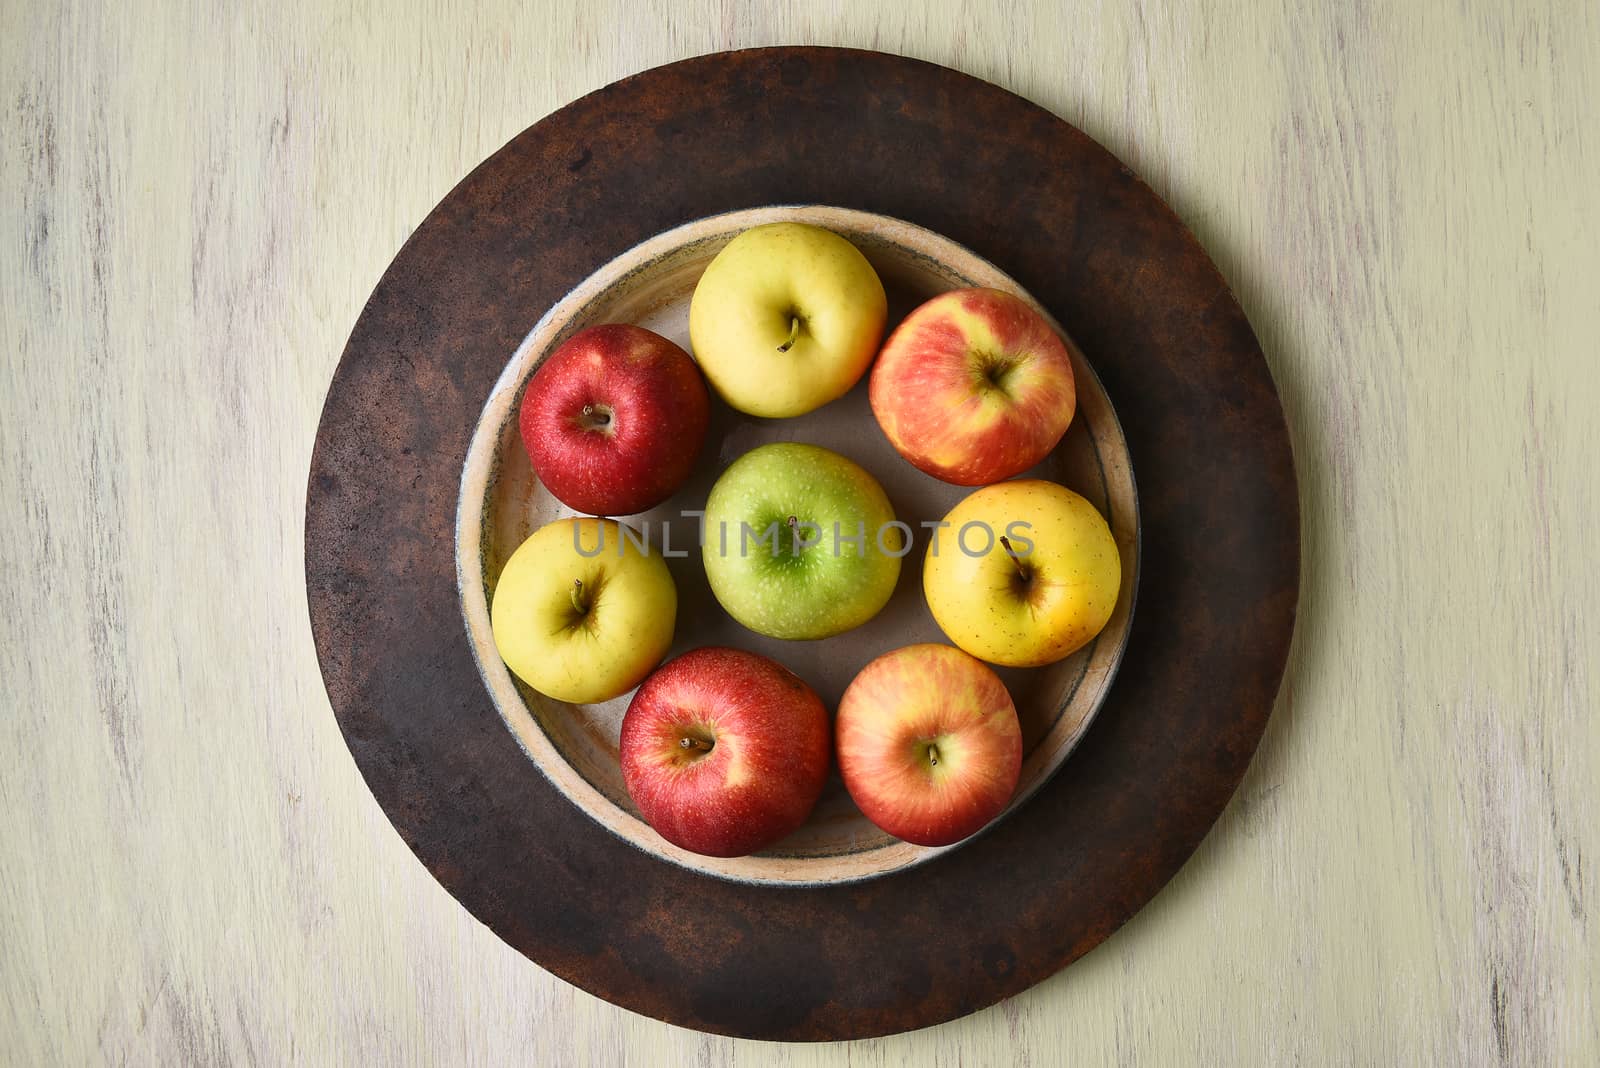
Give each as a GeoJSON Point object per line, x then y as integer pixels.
{"type": "Point", "coordinates": [1218, 583]}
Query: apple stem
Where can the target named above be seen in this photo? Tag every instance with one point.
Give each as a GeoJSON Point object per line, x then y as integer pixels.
{"type": "Point", "coordinates": [1022, 569]}
{"type": "Point", "coordinates": [699, 744]}
{"type": "Point", "coordinates": [577, 597]}
{"type": "Point", "coordinates": [933, 755]}
{"type": "Point", "coordinates": [794, 334]}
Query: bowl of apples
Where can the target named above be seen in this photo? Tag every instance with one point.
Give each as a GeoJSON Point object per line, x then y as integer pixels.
{"type": "Point", "coordinates": [797, 545]}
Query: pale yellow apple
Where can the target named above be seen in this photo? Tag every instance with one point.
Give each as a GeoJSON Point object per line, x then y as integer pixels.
{"type": "Point", "coordinates": [1041, 599]}
{"type": "Point", "coordinates": [786, 318]}
{"type": "Point", "coordinates": [582, 615]}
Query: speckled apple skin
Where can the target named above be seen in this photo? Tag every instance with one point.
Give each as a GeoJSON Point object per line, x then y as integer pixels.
{"type": "Point", "coordinates": [974, 387]}
{"type": "Point", "coordinates": [821, 592]}
{"type": "Point", "coordinates": [767, 764]}
{"type": "Point", "coordinates": [899, 705]}
{"type": "Point", "coordinates": [1072, 556]}
{"type": "Point", "coordinates": [659, 410]}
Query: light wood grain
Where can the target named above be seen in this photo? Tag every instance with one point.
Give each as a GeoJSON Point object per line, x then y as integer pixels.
{"type": "Point", "coordinates": [197, 200]}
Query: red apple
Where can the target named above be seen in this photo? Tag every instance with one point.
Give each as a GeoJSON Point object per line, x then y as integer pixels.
{"type": "Point", "coordinates": [724, 751]}
{"type": "Point", "coordinates": [929, 744]}
{"type": "Point", "coordinates": [614, 419]}
{"type": "Point", "coordinates": [973, 387]}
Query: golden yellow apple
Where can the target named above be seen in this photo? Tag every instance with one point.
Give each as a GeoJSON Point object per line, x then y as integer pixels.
{"type": "Point", "coordinates": [1022, 573]}
{"type": "Point", "coordinates": [786, 318]}
{"type": "Point", "coordinates": [582, 613]}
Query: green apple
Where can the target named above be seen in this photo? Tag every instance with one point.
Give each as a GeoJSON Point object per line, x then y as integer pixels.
{"type": "Point", "coordinates": [786, 318]}
{"type": "Point", "coordinates": [582, 612]}
{"type": "Point", "coordinates": [800, 542]}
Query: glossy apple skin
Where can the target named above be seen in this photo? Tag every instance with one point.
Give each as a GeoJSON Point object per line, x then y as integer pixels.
{"type": "Point", "coordinates": [918, 697]}
{"type": "Point", "coordinates": [815, 592]}
{"type": "Point", "coordinates": [646, 420]}
{"type": "Point", "coordinates": [768, 760]}
{"type": "Point", "coordinates": [749, 297]}
{"type": "Point", "coordinates": [1073, 567]}
{"type": "Point", "coordinates": [630, 607]}
{"type": "Point", "coordinates": [973, 387]}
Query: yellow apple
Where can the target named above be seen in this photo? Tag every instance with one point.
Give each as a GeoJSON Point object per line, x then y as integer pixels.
{"type": "Point", "coordinates": [786, 318]}
{"type": "Point", "coordinates": [1022, 573]}
{"type": "Point", "coordinates": [582, 613]}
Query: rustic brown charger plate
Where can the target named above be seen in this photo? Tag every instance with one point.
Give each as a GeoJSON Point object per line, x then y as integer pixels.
{"type": "Point", "coordinates": [1205, 431]}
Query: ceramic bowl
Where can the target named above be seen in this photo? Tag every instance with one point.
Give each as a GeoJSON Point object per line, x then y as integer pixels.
{"type": "Point", "coordinates": [502, 503]}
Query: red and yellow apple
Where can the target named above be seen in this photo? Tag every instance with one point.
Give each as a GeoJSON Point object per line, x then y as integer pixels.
{"type": "Point", "coordinates": [929, 744]}
{"type": "Point", "coordinates": [724, 751]}
{"type": "Point", "coordinates": [973, 387]}
{"type": "Point", "coordinates": [1022, 573]}
{"type": "Point", "coordinates": [614, 419]}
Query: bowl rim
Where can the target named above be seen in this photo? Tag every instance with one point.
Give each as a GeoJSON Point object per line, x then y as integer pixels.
{"type": "Point", "coordinates": [480, 468]}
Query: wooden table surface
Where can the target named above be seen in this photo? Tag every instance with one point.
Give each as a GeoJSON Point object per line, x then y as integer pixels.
{"type": "Point", "coordinates": [197, 200]}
